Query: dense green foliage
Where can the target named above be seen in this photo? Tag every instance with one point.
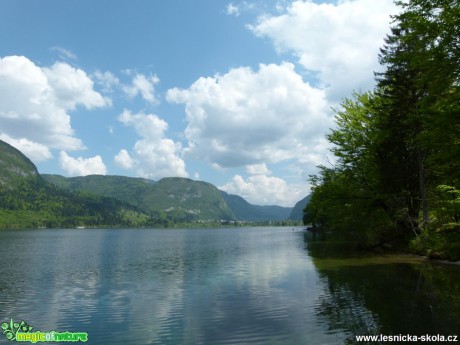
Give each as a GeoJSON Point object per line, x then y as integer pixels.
{"type": "Point", "coordinates": [122, 188]}
{"type": "Point", "coordinates": [37, 203]}
{"type": "Point", "coordinates": [396, 179]}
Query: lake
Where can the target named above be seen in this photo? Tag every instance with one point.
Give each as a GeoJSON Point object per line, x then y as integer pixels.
{"type": "Point", "coordinates": [263, 285]}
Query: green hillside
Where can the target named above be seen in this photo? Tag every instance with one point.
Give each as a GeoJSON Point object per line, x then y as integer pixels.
{"type": "Point", "coordinates": [187, 199]}
{"type": "Point", "coordinates": [243, 210]}
{"type": "Point", "coordinates": [29, 201]}
{"type": "Point", "coordinates": [128, 189]}
{"type": "Point", "coordinates": [297, 211]}
{"type": "Point", "coordinates": [173, 199]}
{"type": "Point", "coordinates": [14, 167]}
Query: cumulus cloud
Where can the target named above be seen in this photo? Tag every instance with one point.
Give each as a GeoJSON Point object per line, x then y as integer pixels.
{"type": "Point", "coordinates": [35, 103]}
{"type": "Point", "coordinates": [71, 87]}
{"type": "Point", "coordinates": [261, 189]}
{"type": "Point", "coordinates": [248, 117]}
{"type": "Point", "coordinates": [124, 160]}
{"type": "Point", "coordinates": [81, 166]}
{"type": "Point", "coordinates": [144, 86]}
{"type": "Point", "coordinates": [29, 148]}
{"type": "Point", "coordinates": [339, 42]}
{"type": "Point", "coordinates": [258, 169]}
{"type": "Point", "coordinates": [154, 155]}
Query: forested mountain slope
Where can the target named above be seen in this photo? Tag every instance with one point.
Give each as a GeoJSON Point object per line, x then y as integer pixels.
{"type": "Point", "coordinates": [27, 200]}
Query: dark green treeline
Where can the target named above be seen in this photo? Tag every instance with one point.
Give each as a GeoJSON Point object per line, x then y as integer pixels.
{"type": "Point", "coordinates": [396, 180]}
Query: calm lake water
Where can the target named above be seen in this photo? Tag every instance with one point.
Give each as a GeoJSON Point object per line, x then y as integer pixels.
{"type": "Point", "coordinates": [218, 286]}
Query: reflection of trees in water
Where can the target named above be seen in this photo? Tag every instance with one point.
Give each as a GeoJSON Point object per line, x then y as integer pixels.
{"type": "Point", "coordinates": [342, 310]}
{"type": "Point", "coordinates": [383, 295]}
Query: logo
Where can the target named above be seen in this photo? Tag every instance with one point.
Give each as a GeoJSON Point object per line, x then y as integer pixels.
{"type": "Point", "coordinates": [22, 332]}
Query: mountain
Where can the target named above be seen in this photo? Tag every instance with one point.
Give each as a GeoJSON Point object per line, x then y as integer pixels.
{"type": "Point", "coordinates": [246, 211]}
{"type": "Point", "coordinates": [275, 212]}
{"type": "Point", "coordinates": [14, 167]}
{"type": "Point", "coordinates": [123, 188]}
{"type": "Point", "coordinates": [28, 201]}
{"type": "Point", "coordinates": [173, 198]}
{"type": "Point", "coordinates": [188, 199]}
{"type": "Point", "coordinates": [297, 210]}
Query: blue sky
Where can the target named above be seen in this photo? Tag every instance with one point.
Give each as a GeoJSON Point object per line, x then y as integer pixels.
{"type": "Point", "coordinates": [235, 93]}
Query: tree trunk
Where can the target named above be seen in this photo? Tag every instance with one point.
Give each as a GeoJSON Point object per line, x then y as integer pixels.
{"type": "Point", "coordinates": [421, 174]}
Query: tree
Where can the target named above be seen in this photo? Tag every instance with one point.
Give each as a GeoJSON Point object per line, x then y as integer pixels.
{"type": "Point", "coordinates": [397, 149]}
{"type": "Point", "coordinates": [348, 197]}
{"type": "Point", "coordinates": [420, 93]}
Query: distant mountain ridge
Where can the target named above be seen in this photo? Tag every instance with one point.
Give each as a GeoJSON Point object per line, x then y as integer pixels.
{"type": "Point", "coordinates": [243, 210]}
{"type": "Point", "coordinates": [30, 199]}
{"type": "Point", "coordinates": [297, 211]}
{"type": "Point", "coordinates": [182, 198]}
{"type": "Point", "coordinates": [119, 187]}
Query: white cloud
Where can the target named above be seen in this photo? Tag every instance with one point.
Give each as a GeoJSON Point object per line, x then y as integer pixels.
{"type": "Point", "coordinates": [107, 80]}
{"type": "Point", "coordinates": [265, 190]}
{"type": "Point", "coordinates": [29, 148]}
{"type": "Point", "coordinates": [248, 117]}
{"type": "Point", "coordinates": [145, 86]}
{"type": "Point", "coordinates": [71, 87]}
{"type": "Point", "coordinates": [35, 104]}
{"type": "Point", "coordinates": [258, 169]}
{"type": "Point", "coordinates": [242, 7]}
{"type": "Point", "coordinates": [64, 54]}
{"type": "Point", "coordinates": [81, 166]}
{"type": "Point", "coordinates": [340, 42]}
{"type": "Point", "coordinates": [154, 155]}
{"type": "Point", "coordinates": [124, 160]}
{"type": "Point", "coordinates": [232, 10]}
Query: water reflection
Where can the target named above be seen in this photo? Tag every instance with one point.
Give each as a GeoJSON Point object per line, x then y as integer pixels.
{"type": "Point", "coordinates": [384, 294]}
{"type": "Point", "coordinates": [216, 286]}
{"type": "Point", "coordinates": [209, 286]}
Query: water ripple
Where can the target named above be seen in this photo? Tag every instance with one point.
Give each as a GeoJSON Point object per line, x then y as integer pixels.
{"type": "Point", "coordinates": [208, 286]}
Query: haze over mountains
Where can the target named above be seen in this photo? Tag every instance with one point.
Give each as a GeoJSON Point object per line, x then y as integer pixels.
{"type": "Point", "coordinates": [135, 200]}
